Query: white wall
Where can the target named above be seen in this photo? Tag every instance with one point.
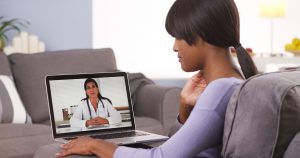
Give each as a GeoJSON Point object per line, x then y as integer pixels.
{"type": "Point", "coordinates": [135, 30]}
{"type": "Point", "coordinates": [255, 30]}
{"type": "Point", "coordinates": [61, 24]}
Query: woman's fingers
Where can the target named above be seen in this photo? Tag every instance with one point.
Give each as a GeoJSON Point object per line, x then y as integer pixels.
{"type": "Point", "coordinates": [67, 148]}
{"type": "Point", "coordinates": [100, 120]}
{"type": "Point", "coordinates": [95, 121]}
{"type": "Point", "coordinates": [92, 121]}
{"type": "Point", "coordinates": [198, 75]}
{"type": "Point", "coordinates": [70, 144]}
{"type": "Point", "coordinates": [64, 153]}
{"type": "Point", "coordinates": [78, 146]}
{"type": "Point", "coordinates": [192, 89]}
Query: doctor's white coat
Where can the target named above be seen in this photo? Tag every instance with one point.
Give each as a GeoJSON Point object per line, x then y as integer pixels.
{"type": "Point", "coordinates": [105, 110]}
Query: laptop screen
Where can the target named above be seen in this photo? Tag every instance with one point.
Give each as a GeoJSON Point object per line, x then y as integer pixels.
{"type": "Point", "coordinates": [87, 103]}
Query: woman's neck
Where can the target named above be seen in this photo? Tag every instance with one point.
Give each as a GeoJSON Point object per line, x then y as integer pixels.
{"type": "Point", "coordinates": [94, 101]}
{"type": "Point", "coordinates": [218, 64]}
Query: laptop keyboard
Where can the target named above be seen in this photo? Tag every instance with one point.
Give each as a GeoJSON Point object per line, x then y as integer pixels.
{"type": "Point", "coordinates": [70, 138]}
{"type": "Point", "coordinates": [119, 135]}
{"type": "Point", "coordinates": [115, 135]}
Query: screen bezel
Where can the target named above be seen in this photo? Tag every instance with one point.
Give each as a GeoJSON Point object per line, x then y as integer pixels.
{"type": "Point", "coordinates": [84, 76]}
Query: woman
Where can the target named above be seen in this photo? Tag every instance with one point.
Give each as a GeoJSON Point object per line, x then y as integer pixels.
{"type": "Point", "coordinates": [95, 109]}
{"type": "Point", "coordinates": [204, 30]}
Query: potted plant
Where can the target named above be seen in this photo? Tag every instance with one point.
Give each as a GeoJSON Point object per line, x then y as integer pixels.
{"type": "Point", "coordinates": [10, 25]}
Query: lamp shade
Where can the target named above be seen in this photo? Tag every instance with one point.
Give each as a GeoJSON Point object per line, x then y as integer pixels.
{"type": "Point", "coordinates": [272, 8]}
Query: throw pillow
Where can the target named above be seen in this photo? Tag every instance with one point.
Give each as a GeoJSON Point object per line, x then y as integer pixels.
{"type": "Point", "coordinates": [11, 107]}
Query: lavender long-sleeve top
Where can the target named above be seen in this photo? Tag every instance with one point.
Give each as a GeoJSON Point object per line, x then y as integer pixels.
{"type": "Point", "coordinates": [201, 132]}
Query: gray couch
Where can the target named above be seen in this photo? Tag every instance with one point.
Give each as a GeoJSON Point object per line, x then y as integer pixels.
{"type": "Point", "coordinates": [155, 107]}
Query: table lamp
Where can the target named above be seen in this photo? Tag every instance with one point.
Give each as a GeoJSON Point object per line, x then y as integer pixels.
{"type": "Point", "coordinates": [272, 9]}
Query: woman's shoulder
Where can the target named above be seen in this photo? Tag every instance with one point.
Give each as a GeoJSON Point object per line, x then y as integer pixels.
{"type": "Point", "coordinates": [224, 83]}
{"type": "Point", "coordinates": [217, 93]}
{"type": "Point", "coordinates": [227, 80]}
{"type": "Point", "coordinates": [82, 101]}
{"type": "Point", "coordinates": [104, 99]}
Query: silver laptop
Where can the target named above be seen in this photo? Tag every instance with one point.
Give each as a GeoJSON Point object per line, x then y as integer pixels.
{"type": "Point", "coordinates": [98, 105]}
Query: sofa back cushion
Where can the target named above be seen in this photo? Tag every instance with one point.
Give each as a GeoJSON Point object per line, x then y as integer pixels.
{"type": "Point", "coordinates": [4, 65]}
{"type": "Point", "coordinates": [263, 116]}
{"type": "Point", "coordinates": [29, 71]}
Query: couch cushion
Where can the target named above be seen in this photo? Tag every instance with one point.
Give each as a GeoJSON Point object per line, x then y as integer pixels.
{"type": "Point", "coordinates": [11, 107]}
{"type": "Point", "coordinates": [21, 130]}
{"type": "Point", "coordinates": [149, 125]}
{"type": "Point", "coordinates": [294, 148]}
{"type": "Point", "coordinates": [23, 147]}
{"type": "Point", "coordinates": [4, 65]}
{"type": "Point", "coordinates": [263, 116]}
{"type": "Point", "coordinates": [23, 140]}
{"type": "Point", "coordinates": [136, 82]}
{"type": "Point", "coordinates": [46, 122]}
{"type": "Point", "coordinates": [29, 71]}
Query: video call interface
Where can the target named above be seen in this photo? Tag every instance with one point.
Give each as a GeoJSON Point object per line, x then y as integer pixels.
{"type": "Point", "coordinates": [89, 104]}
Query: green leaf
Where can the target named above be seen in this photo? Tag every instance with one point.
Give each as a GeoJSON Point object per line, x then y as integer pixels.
{"type": "Point", "coordinates": [12, 27]}
{"type": "Point", "coordinates": [5, 38]}
{"type": "Point", "coordinates": [2, 38]}
{"type": "Point", "coordinates": [13, 23]}
{"type": "Point", "coordinates": [5, 24]}
{"type": "Point", "coordinates": [20, 22]}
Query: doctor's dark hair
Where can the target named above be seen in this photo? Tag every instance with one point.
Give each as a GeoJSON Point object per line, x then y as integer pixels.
{"type": "Point", "coordinates": [96, 84]}
{"type": "Point", "coordinates": [215, 21]}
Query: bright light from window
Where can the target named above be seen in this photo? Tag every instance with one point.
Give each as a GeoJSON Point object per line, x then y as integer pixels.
{"type": "Point", "coordinates": [135, 30]}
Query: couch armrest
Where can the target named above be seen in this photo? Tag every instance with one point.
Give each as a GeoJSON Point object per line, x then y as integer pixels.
{"type": "Point", "coordinates": [293, 149]}
{"type": "Point", "coordinates": [160, 103]}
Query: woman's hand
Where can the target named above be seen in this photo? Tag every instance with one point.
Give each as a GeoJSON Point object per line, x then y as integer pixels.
{"type": "Point", "coordinates": [96, 121]}
{"type": "Point", "coordinates": [192, 89]}
{"type": "Point", "coordinates": [100, 120]}
{"type": "Point", "coordinates": [88, 146]}
{"type": "Point", "coordinates": [189, 94]}
{"type": "Point", "coordinates": [81, 145]}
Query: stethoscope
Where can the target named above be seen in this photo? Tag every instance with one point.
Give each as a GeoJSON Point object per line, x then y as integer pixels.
{"type": "Point", "coordinates": [88, 104]}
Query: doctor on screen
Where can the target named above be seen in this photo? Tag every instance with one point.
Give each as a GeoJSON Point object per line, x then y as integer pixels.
{"type": "Point", "coordinates": [95, 109]}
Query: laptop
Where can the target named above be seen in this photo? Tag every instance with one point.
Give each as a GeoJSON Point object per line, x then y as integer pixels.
{"type": "Point", "coordinates": [71, 100]}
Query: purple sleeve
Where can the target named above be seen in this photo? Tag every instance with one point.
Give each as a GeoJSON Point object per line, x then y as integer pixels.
{"type": "Point", "coordinates": [201, 131]}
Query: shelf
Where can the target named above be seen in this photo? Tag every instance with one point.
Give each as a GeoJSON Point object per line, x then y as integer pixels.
{"type": "Point", "coordinates": [270, 64]}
